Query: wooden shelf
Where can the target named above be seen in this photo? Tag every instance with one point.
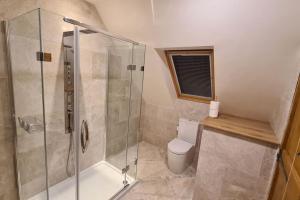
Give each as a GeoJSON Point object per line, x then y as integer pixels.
{"type": "Point", "coordinates": [242, 127]}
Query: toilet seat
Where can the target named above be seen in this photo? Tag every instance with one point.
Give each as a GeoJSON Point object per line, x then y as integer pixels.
{"type": "Point", "coordinates": [179, 147]}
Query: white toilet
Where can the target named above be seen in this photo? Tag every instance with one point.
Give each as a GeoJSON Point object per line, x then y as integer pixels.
{"type": "Point", "coordinates": [181, 149]}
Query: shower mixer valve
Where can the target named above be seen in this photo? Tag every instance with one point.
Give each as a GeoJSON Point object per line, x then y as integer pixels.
{"type": "Point", "coordinates": [69, 91]}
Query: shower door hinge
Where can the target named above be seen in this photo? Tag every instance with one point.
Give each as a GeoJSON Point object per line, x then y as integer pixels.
{"type": "Point", "coordinates": [131, 67]}
{"type": "Point", "coordinates": [136, 161]}
{"type": "Point", "coordinates": [125, 169]}
{"type": "Point", "coordinates": [43, 56]}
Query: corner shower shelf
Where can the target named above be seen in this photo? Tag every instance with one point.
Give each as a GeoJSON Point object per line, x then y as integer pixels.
{"type": "Point", "coordinates": [244, 128]}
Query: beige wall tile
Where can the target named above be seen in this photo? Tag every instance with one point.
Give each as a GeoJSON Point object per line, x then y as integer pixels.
{"type": "Point", "coordinates": [7, 169]}
{"type": "Point", "coordinates": [4, 103]}
{"type": "Point", "coordinates": [158, 124]}
{"type": "Point", "coordinates": [3, 70]}
{"type": "Point", "coordinates": [6, 133]}
{"type": "Point", "coordinates": [236, 168]}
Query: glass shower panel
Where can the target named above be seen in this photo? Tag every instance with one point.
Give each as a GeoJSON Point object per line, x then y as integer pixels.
{"type": "Point", "coordinates": [92, 97]}
{"type": "Point", "coordinates": [27, 87]}
{"type": "Point", "coordinates": [103, 113]}
{"type": "Point", "coordinates": [58, 39]}
{"type": "Point", "coordinates": [134, 136]}
{"type": "Point", "coordinates": [118, 102]}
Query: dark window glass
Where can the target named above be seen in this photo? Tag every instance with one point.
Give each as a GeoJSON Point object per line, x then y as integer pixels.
{"type": "Point", "coordinates": [193, 74]}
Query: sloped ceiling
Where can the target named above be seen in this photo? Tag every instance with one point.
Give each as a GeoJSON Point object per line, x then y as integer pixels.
{"type": "Point", "coordinates": [256, 46]}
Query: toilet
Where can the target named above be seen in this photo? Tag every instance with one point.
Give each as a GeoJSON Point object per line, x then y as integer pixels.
{"type": "Point", "coordinates": [181, 149]}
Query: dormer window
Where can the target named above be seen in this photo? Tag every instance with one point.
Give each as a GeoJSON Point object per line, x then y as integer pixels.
{"type": "Point", "coordinates": [192, 73]}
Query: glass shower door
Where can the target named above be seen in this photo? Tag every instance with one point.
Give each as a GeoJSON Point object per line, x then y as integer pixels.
{"type": "Point", "coordinates": [134, 137]}
{"type": "Point", "coordinates": [58, 40]}
{"type": "Point", "coordinates": [118, 104]}
{"type": "Point", "coordinates": [28, 109]}
{"type": "Point", "coordinates": [103, 98]}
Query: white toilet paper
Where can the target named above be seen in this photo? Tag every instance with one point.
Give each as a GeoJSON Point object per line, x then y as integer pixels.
{"type": "Point", "coordinates": [214, 105]}
{"type": "Point", "coordinates": [214, 109]}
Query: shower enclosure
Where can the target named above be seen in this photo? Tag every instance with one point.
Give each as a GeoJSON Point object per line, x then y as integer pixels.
{"type": "Point", "coordinates": [76, 106]}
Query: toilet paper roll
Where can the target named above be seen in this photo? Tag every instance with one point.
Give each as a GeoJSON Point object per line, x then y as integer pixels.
{"type": "Point", "coordinates": [214, 105]}
{"type": "Point", "coordinates": [213, 113]}
{"type": "Point", "coordinates": [214, 109]}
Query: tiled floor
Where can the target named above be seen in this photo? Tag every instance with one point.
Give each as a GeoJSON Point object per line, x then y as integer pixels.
{"type": "Point", "coordinates": [157, 182]}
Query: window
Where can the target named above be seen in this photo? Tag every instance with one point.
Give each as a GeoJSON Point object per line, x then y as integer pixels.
{"type": "Point", "coordinates": [192, 73]}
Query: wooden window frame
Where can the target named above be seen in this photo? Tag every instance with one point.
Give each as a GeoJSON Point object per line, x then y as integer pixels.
{"type": "Point", "coordinates": [180, 95]}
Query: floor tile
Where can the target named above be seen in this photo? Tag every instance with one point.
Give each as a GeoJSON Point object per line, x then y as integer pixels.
{"type": "Point", "coordinates": [156, 181]}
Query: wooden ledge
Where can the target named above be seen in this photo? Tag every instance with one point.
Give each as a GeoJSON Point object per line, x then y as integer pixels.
{"type": "Point", "coordinates": [257, 130]}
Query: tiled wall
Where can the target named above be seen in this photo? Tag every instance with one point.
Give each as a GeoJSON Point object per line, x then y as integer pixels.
{"type": "Point", "coordinates": [124, 99]}
{"type": "Point", "coordinates": [281, 114]}
{"type": "Point", "coordinates": [28, 81]}
{"type": "Point", "coordinates": [159, 123]}
{"type": "Point", "coordinates": [8, 188]}
{"type": "Point", "coordinates": [118, 101]}
{"type": "Point", "coordinates": [27, 89]}
{"type": "Point", "coordinates": [233, 168]}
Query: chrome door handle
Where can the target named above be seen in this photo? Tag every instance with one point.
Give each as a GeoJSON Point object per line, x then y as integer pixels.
{"type": "Point", "coordinates": [84, 136]}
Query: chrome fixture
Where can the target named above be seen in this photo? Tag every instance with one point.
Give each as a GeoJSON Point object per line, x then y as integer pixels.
{"type": "Point", "coordinates": [125, 169]}
{"type": "Point", "coordinates": [31, 124]}
{"type": "Point", "coordinates": [69, 97]}
{"type": "Point", "coordinates": [94, 30]}
{"type": "Point", "coordinates": [131, 67]}
{"type": "Point", "coordinates": [84, 136]}
{"type": "Point", "coordinates": [69, 86]}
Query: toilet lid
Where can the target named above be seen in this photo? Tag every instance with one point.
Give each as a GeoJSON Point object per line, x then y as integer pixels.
{"type": "Point", "coordinates": [178, 146]}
